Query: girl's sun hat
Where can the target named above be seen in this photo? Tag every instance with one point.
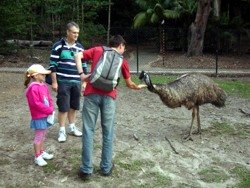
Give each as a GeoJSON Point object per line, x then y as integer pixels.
{"type": "Point", "coordinates": [37, 69]}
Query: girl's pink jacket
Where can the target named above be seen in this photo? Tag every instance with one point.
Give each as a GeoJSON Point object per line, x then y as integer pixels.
{"type": "Point", "coordinates": [39, 100]}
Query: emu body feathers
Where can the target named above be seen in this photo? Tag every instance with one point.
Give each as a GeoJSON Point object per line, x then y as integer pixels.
{"type": "Point", "coordinates": [191, 91]}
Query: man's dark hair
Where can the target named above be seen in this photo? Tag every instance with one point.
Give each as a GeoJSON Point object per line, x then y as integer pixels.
{"type": "Point", "coordinates": [72, 24]}
{"type": "Point", "coordinates": [116, 40]}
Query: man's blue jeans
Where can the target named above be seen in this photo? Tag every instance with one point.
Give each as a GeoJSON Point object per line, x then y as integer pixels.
{"type": "Point", "coordinates": [91, 106]}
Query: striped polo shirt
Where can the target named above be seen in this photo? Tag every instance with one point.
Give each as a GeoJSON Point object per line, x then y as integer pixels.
{"type": "Point", "coordinates": [62, 61]}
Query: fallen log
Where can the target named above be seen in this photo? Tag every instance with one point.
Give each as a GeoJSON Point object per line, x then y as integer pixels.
{"type": "Point", "coordinates": [30, 43]}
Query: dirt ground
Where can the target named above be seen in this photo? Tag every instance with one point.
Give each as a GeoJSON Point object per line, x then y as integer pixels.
{"type": "Point", "coordinates": [142, 155]}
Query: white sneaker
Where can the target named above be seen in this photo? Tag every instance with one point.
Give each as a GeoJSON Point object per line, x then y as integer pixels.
{"type": "Point", "coordinates": [40, 161]}
{"type": "Point", "coordinates": [47, 156]}
{"type": "Point", "coordinates": [62, 137]}
{"type": "Point", "coordinates": [74, 131]}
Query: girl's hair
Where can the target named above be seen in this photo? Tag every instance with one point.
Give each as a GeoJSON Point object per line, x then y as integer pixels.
{"type": "Point", "coordinates": [27, 79]}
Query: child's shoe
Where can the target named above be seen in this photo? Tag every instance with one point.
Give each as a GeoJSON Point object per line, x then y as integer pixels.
{"type": "Point", "coordinates": [47, 156]}
{"type": "Point", "coordinates": [40, 161]}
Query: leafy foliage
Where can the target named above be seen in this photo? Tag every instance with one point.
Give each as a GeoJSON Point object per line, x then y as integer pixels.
{"type": "Point", "coordinates": [154, 12]}
{"type": "Point", "coordinates": [40, 19]}
{"type": "Point", "coordinates": [24, 18]}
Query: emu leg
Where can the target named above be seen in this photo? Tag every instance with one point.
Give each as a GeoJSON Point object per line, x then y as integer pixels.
{"type": "Point", "coordinates": [188, 137]}
{"type": "Point", "coordinates": [198, 122]}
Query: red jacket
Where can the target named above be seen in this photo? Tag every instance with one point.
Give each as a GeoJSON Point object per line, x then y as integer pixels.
{"type": "Point", "coordinates": [94, 54]}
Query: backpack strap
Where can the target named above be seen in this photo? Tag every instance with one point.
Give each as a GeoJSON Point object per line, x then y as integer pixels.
{"type": "Point", "coordinates": [105, 48]}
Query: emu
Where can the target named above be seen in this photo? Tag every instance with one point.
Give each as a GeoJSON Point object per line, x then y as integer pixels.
{"type": "Point", "coordinates": [190, 90]}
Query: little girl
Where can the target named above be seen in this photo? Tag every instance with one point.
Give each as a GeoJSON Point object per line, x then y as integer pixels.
{"type": "Point", "coordinates": [41, 106]}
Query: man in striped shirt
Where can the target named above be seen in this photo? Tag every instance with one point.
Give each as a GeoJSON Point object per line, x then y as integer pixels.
{"type": "Point", "coordinates": [66, 80]}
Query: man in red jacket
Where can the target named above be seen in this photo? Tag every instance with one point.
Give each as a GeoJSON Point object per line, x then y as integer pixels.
{"type": "Point", "coordinates": [96, 100]}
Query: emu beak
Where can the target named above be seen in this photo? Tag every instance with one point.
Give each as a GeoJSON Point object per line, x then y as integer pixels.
{"type": "Point", "coordinates": [142, 75]}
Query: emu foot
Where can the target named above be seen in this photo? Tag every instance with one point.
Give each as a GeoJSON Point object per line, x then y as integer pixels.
{"type": "Point", "coordinates": [197, 132]}
{"type": "Point", "coordinates": [187, 138]}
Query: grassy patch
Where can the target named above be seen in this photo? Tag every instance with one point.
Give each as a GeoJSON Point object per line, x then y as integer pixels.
{"type": "Point", "coordinates": [236, 88]}
{"type": "Point", "coordinates": [158, 180]}
{"type": "Point", "coordinates": [136, 165]}
{"type": "Point", "coordinates": [161, 79]}
{"type": "Point", "coordinates": [236, 129]}
{"type": "Point", "coordinates": [143, 167]}
{"type": "Point", "coordinates": [34, 185]}
{"type": "Point", "coordinates": [73, 160]}
{"type": "Point", "coordinates": [242, 130]}
{"type": "Point", "coordinates": [70, 162]}
{"type": "Point", "coordinates": [223, 128]}
{"type": "Point", "coordinates": [213, 175]}
{"type": "Point", "coordinates": [51, 167]}
{"type": "Point", "coordinates": [243, 174]}
{"type": "Point", "coordinates": [123, 154]}
{"type": "Point", "coordinates": [157, 79]}
{"type": "Point", "coordinates": [4, 161]}
{"type": "Point", "coordinates": [97, 146]}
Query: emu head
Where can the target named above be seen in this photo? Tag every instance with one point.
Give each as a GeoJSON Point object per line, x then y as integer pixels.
{"type": "Point", "coordinates": [146, 78]}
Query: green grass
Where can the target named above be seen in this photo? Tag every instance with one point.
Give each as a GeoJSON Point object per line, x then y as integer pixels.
{"type": "Point", "coordinates": [123, 154]}
{"type": "Point", "coordinates": [232, 87]}
{"type": "Point", "coordinates": [71, 162]}
{"type": "Point", "coordinates": [4, 161]}
{"type": "Point", "coordinates": [157, 79]}
{"type": "Point", "coordinates": [51, 167]}
{"type": "Point", "coordinates": [213, 175]}
{"type": "Point", "coordinates": [158, 180]}
{"type": "Point", "coordinates": [223, 128]}
{"type": "Point", "coordinates": [243, 174]}
{"type": "Point", "coordinates": [235, 88]}
{"type": "Point", "coordinates": [227, 129]}
{"type": "Point", "coordinates": [135, 165]}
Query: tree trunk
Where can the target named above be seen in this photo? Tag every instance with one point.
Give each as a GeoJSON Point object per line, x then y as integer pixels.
{"type": "Point", "coordinates": [198, 28]}
{"type": "Point", "coordinates": [217, 5]}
